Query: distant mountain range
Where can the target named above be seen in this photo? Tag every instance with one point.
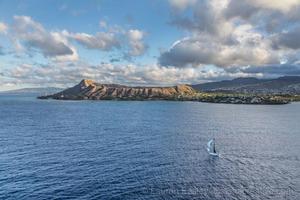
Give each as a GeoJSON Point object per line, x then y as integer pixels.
{"type": "Point", "coordinates": [40, 91]}
{"type": "Point", "coordinates": [281, 85]}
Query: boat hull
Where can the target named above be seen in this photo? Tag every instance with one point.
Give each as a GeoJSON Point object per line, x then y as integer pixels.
{"type": "Point", "coordinates": [213, 154]}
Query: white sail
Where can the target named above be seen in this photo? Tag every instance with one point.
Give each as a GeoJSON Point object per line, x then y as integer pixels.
{"type": "Point", "coordinates": [209, 144]}
{"type": "Point", "coordinates": [211, 147]}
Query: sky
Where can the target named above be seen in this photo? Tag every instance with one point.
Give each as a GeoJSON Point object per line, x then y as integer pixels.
{"type": "Point", "coordinates": [151, 42]}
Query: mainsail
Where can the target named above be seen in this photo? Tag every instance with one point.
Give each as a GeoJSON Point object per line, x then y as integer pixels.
{"type": "Point", "coordinates": [211, 149]}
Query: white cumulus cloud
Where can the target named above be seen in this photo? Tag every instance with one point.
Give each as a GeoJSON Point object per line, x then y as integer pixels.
{"type": "Point", "coordinates": [136, 43]}
{"type": "Point", "coordinates": [182, 4]}
{"type": "Point", "coordinates": [31, 34]}
{"type": "Point", "coordinates": [3, 27]}
{"type": "Point", "coordinates": [231, 33]}
{"type": "Point", "coordinates": [103, 40]}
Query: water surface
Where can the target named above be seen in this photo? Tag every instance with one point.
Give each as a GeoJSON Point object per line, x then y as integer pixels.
{"type": "Point", "coordinates": [147, 150]}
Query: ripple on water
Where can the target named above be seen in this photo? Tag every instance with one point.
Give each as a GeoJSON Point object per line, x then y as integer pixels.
{"type": "Point", "coordinates": [147, 150]}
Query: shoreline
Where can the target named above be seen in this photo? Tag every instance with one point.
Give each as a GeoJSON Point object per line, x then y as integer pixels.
{"type": "Point", "coordinates": [90, 90]}
{"type": "Point", "coordinates": [174, 100]}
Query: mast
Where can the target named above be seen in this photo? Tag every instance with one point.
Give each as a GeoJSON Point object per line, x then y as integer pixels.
{"type": "Point", "coordinates": [214, 146]}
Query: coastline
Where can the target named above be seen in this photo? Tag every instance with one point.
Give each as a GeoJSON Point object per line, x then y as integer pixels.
{"type": "Point", "coordinates": [90, 90]}
{"type": "Point", "coordinates": [254, 100]}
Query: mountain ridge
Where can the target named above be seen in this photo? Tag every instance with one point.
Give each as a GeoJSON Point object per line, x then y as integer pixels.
{"type": "Point", "coordinates": [91, 90]}
{"type": "Point", "coordinates": [280, 85]}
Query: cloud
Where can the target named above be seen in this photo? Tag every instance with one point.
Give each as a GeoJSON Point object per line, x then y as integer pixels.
{"type": "Point", "coordinates": [282, 6]}
{"type": "Point", "coordinates": [232, 33]}
{"type": "Point", "coordinates": [131, 42]}
{"type": "Point", "coordinates": [102, 24]}
{"type": "Point", "coordinates": [273, 16]}
{"type": "Point", "coordinates": [102, 40]}
{"type": "Point", "coordinates": [249, 8]}
{"type": "Point", "coordinates": [181, 4]}
{"type": "Point", "coordinates": [207, 16]}
{"type": "Point", "coordinates": [3, 27]}
{"type": "Point", "coordinates": [34, 36]}
{"type": "Point", "coordinates": [112, 60]}
{"type": "Point", "coordinates": [288, 39]}
{"type": "Point", "coordinates": [244, 48]}
{"type": "Point", "coordinates": [1, 51]}
{"type": "Point", "coordinates": [29, 36]}
{"type": "Point", "coordinates": [66, 75]}
{"type": "Point", "coordinates": [221, 39]}
{"type": "Point", "coordinates": [269, 70]}
{"type": "Point", "coordinates": [136, 44]}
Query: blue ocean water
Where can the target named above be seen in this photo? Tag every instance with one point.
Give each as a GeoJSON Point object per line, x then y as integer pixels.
{"type": "Point", "coordinates": [147, 150]}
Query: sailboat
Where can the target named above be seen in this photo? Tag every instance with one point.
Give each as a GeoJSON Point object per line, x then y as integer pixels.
{"type": "Point", "coordinates": [211, 147]}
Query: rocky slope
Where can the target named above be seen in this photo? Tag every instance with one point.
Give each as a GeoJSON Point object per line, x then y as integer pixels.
{"type": "Point", "coordinates": [90, 90]}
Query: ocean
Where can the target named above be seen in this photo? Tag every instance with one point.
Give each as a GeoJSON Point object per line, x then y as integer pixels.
{"type": "Point", "coordinates": [53, 149]}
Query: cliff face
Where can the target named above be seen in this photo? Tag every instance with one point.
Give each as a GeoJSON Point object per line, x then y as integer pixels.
{"type": "Point", "coordinates": [88, 89]}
